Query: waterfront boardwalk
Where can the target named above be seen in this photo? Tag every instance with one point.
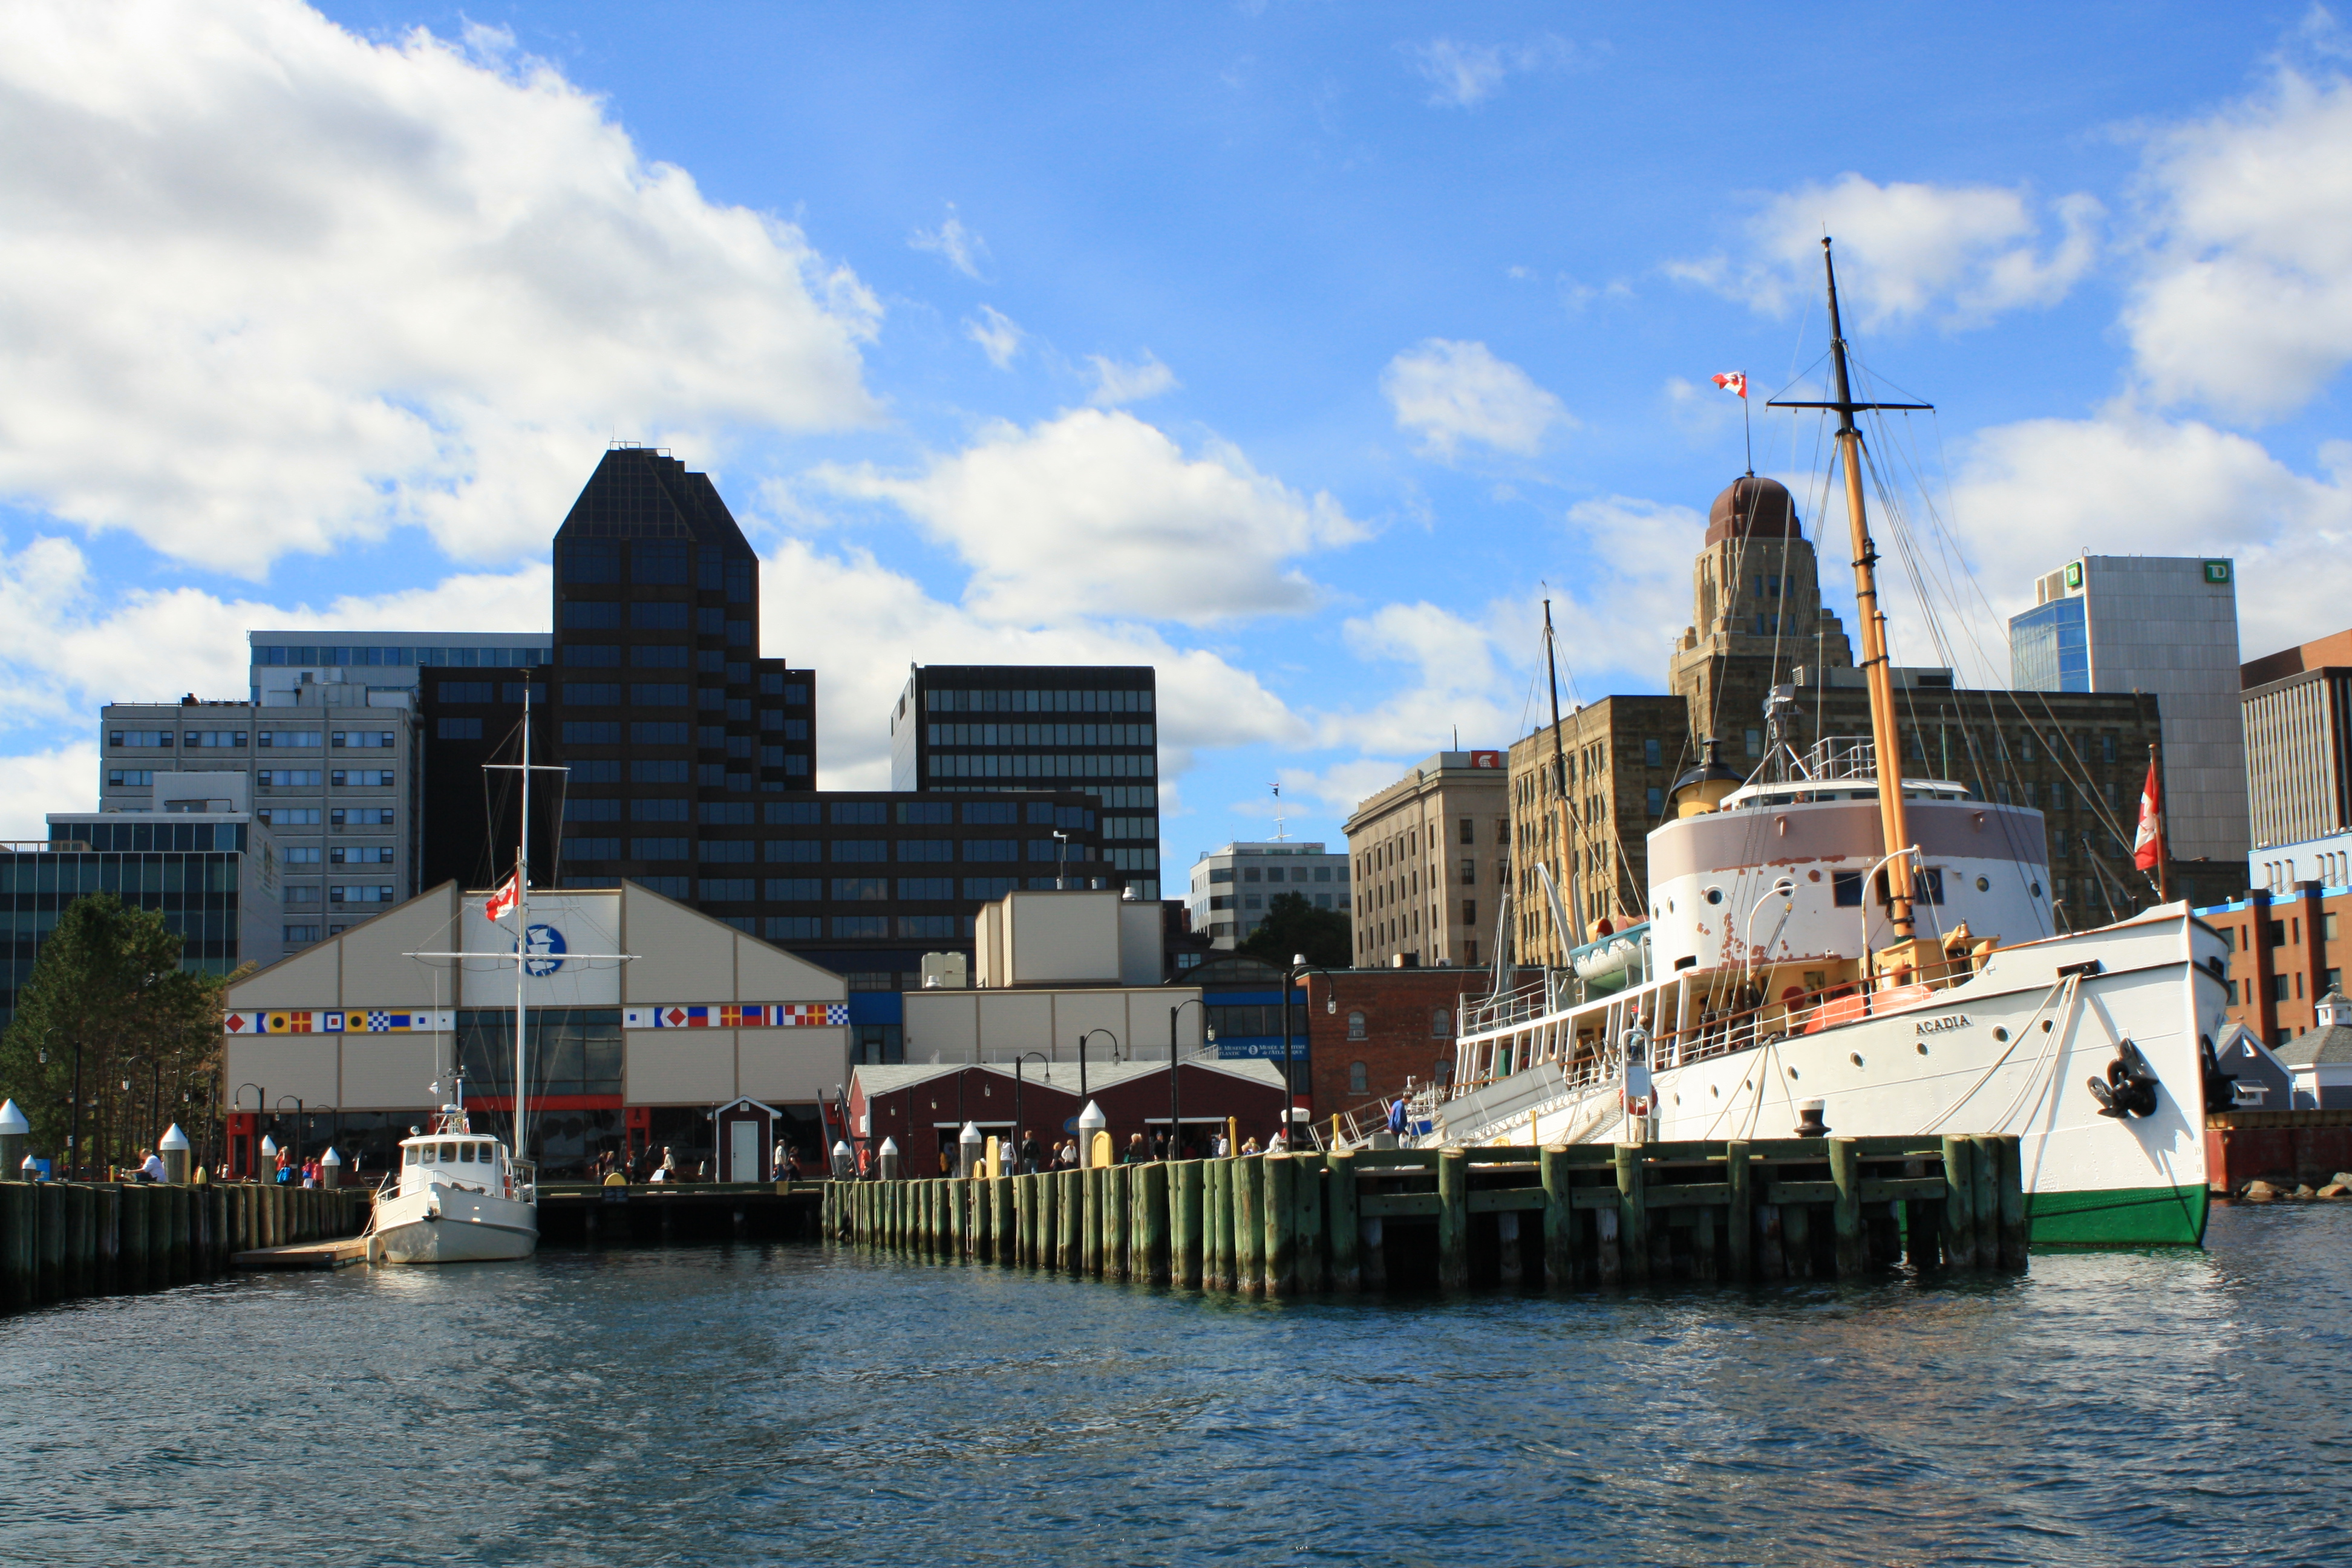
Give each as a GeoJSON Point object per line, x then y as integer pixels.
{"type": "Point", "coordinates": [62, 1239]}
{"type": "Point", "coordinates": [1583, 1216]}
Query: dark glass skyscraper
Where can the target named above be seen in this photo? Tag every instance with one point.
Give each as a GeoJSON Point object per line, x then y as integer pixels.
{"type": "Point", "coordinates": [692, 758]}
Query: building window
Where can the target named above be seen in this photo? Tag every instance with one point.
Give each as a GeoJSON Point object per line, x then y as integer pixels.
{"type": "Point", "coordinates": [727, 889]}
{"type": "Point", "coordinates": [2279, 988]}
{"type": "Point", "coordinates": [1355, 1030]}
{"type": "Point", "coordinates": [1755, 743]}
{"type": "Point", "coordinates": [1441, 1023]}
{"type": "Point", "coordinates": [1652, 754]}
{"type": "Point", "coordinates": [660, 849]}
{"type": "Point", "coordinates": [1359, 1080]}
{"type": "Point", "coordinates": [860, 927]}
{"type": "Point", "coordinates": [862, 889]}
{"type": "Point", "coordinates": [1470, 912]}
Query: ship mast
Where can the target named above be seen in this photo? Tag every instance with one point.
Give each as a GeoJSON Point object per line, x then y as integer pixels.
{"type": "Point", "coordinates": [1893, 831]}
{"type": "Point", "coordinates": [522, 929]}
{"type": "Point", "coordinates": [1573, 937]}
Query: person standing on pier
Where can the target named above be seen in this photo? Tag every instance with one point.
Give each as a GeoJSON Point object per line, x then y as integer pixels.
{"type": "Point", "coordinates": [1030, 1155]}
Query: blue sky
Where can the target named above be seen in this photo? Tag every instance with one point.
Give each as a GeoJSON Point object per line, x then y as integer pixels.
{"type": "Point", "coordinates": [1293, 347]}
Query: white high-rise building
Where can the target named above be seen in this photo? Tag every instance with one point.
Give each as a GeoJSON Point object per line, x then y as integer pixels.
{"type": "Point", "coordinates": [1232, 886]}
{"type": "Point", "coordinates": [2158, 624]}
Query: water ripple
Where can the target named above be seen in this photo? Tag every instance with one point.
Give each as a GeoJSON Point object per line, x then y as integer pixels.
{"type": "Point", "coordinates": [723, 1405]}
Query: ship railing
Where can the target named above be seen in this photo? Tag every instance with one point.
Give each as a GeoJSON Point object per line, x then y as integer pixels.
{"type": "Point", "coordinates": [1840, 757]}
{"type": "Point", "coordinates": [1717, 1032]}
{"type": "Point", "coordinates": [1481, 1013]}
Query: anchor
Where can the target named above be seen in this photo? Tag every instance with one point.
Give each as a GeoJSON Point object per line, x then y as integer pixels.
{"type": "Point", "coordinates": [2130, 1087]}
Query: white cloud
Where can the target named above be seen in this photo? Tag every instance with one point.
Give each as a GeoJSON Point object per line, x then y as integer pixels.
{"type": "Point", "coordinates": [1961, 253]}
{"type": "Point", "coordinates": [66, 647]}
{"type": "Point", "coordinates": [952, 243]}
{"type": "Point", "coordinates": [1095, 514]}
{"type": "Point", "coordinates": [2246, 302]}
{"type": "Point", "coordinates": [1456, 682]}
{"type": "Point", "coordinates": [2029, 497]}
{"type": "Point", "coordinates": [813, 601]}
{"type": "Point", "coordinates": [1116, 383]}
{"type": "Point", "coordinates": [33, 785]}
{"type": "Point", "coordinates": [1462, 75]}
{"type": "Point", "coordinates": [1338, 789]}
{"type": "Point", "coordinates": [998, 335]}
{"type": "Point", "coordinates": [1448, 392]}
{"type": "Point", "coordinates": [268, 286]}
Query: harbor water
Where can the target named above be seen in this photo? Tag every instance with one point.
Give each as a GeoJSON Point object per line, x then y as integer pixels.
{"type": "Point", "coordinates": [798, 1403]}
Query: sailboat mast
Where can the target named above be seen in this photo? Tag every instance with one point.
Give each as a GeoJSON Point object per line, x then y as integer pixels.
{"type": "Point", "coordinates": [1893, 831]}
{"type": "Point", "coordinates": [522, 929]}
{"type": "Point", "coordinates": [1575, 934]}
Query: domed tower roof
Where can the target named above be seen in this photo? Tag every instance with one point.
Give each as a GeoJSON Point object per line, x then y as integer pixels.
{"type": "Point", "coordinates": [1754, 509]}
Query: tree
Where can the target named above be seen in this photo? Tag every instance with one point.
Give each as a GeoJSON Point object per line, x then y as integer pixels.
{"type": "Point", "coordinates": [1293, 926]}
{"type": "Point", "coordinates": [109, 981]}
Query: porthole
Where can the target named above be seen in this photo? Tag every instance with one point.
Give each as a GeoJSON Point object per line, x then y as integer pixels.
{"type": "Point", "coordinates": [1856, 1056]}
{"type": "Point", "coordinates": [1715, 895]}
{"type": "Point", "coordinates": [2035, 889]}
{"type": "Point", "coordinates": [1713, 1093]}
{"type": "Point", "coordinates": [1997, 1035]}
{"type": "Point", "coordinates": [1922, 1048]}
{"type": "Point", "coordinates": [1793, 1072]}
{"type": "Point", "coordinates": [2046, 1024]}
{"type": "Point", "coordinates": [1984, 884]}
{"type": "Point", "coordinates": [1678, 1100]}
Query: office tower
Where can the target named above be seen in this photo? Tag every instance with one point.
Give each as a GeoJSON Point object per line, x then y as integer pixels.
{"type": "Point", "coordinates": [214, 876]}
{"type": "Point", "coordinates": [957, 728]}
{"type": "Point", "coordinates": [323, 751]}
{"type": "Point", "coordinates": [1431, 854]}
{"type": "Point", "coordinates": [1233, 885]}
{"type": "Point", "coordinates": [691, 759]}
{"type": "Point", "coordinates": [2165, 625]}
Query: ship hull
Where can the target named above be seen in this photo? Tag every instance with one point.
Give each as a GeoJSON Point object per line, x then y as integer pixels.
{"type": "Point", "coordinates": [2009, 1051]}
{"type": "Point", "coordinates": [453, 1225]}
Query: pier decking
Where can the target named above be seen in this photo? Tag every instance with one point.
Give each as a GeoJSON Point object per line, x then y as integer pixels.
{"type": "Point", "coordinates": [1582, 1217]}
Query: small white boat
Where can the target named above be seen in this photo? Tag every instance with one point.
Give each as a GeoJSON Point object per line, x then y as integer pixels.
{"type": "Point", "coordinates": [461, 1198]}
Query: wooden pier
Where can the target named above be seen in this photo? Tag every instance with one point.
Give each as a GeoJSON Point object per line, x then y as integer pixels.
{"type": "Point", "coordinates": [1583, 1216]}
{"type": "Point", "coordinates": [63, 1239]}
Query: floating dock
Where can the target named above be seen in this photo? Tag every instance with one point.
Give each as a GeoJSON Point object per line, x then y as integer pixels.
{"type": "Point", "coordinates": [1583, 1216]}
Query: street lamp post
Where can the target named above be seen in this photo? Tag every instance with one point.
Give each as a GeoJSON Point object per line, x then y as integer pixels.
{"type": "Point", "coordinates": [1209, 1032]}
{"type": "Point", "coordinates": [297, 1124]}
{"type": "Point", "coordinates": [1299, 966]}
{"type": "Point", "coordinates": [1019, 1130]}
{"type": "Point", "coordinates": [1089, 1035]}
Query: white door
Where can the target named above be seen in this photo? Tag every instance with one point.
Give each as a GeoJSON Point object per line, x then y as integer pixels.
{"type": "Point", "coordinates": [743, 1151]}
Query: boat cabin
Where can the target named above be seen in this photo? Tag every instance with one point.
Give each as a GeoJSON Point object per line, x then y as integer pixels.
{"type": "Point", "coordinates": [454, 1156]}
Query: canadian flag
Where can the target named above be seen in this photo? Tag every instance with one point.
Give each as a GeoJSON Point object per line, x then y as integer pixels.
{"type": "Point", "coordinates": [2147, 847]}
{"type": "Point", "coordinates": [1732, 381]}
{"type": "Point", "coordinates": [502, 902]}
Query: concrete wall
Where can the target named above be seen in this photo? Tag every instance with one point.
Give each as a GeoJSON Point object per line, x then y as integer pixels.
{"type": "Point", "coordinates": [997, 1026]}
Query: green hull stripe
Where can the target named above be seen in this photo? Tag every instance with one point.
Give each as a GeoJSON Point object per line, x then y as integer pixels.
{"type": "Point", "coordinates": [2120, 1216]}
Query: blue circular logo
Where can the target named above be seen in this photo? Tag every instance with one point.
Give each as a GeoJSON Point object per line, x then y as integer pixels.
{"type": "Point", "coordinates": [546, 954]}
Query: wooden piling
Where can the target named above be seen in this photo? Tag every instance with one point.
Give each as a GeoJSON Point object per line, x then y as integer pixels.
{"type": "Point", "coordinates": [1217, 1225]}
{"type": "Point", "coordinates": [132, 1266]}
{"type": "Point", "coordinates": [1558, 1218]}
{"type": "Point", "coordinates": [1845, 1170]}
{"type": "Point", "coordinates": [1453, 1219]}
{"type": "Point", "coordinates": [1988, 1200]}
{"type": "Point", "coordinates": [50, 1230]}
{"type": "Point", "coordinates": [1249, 1226]}
{"type": "Point", "coordinates": [1184, 1191]}
{"type": "Point", "coordinates": [81, 1241]}
{"type": "Point", "coordinates": [1632, 1215]}
{"type": "Point", "coordinates": [1116, 1187]}
{"type": "Point", "coordinates": [1154, 1258]}
{"type": "Point", "coordinates": [1341, 1224]}
{"type": "Point", "coordinates": [1960, 1226]}
{"type": "Point", "coordinates": [2016, 1227]}
{"type": "Point", "coordinates": [1279, 1208]}
{"type": "Point", "coordinates": [18, 1249]}
{"type": "Point", "coordinates": [1312, 1250]}
{"type": "Point", "coordinates": [1740, 1215]}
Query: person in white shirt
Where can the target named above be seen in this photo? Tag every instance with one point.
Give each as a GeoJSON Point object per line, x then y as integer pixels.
{"type": "Point", "coordinates": [151, 1167]}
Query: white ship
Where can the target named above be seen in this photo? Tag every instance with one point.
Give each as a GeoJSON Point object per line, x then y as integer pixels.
{"type": "Point", "coordinates": [461, 1198]}
{"type": "Point", "coordinates": [1831, 944]}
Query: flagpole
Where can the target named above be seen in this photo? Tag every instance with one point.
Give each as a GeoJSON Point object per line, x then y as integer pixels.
{"type": "Point", "coordinates": [1746, 434]}
{"type": "Point", "coordinates": [523, 928]}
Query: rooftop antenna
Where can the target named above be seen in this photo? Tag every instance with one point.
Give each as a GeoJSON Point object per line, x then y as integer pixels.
{"type": "Point", "coordinates": [1278, 834]}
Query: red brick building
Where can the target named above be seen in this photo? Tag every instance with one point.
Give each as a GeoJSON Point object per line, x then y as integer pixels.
{"type": "Point", "coordinates": [2284, 955]}
{"type": "Point", "coordinates": [923, 1109]}
{"type": "Point", "coordinates": [1370, 1030]}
